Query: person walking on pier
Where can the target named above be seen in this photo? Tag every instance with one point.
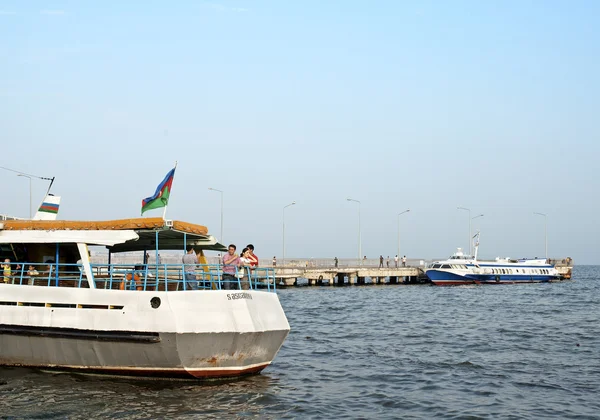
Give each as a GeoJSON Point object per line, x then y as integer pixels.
{"type": "Point", "coordinates": [381, 261]}
{"type": "Point", "coordinates": [396, 261]}
{"type": "Point", "coordinates": [404, 261]}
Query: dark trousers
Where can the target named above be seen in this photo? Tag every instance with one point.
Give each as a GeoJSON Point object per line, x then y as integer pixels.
{"type": "Point", "coordinates": [229, 282]}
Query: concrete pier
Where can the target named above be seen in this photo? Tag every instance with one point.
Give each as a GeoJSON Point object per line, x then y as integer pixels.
{"type": "Point", "coordinates": [348, 276]}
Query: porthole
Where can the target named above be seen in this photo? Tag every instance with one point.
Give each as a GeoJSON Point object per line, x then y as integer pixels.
{"type": "Point", "coordinates": [155, 302]}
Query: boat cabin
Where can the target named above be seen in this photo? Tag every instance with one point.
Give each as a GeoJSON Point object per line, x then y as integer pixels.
{"type": "Point", "coordinates": [55, 253]}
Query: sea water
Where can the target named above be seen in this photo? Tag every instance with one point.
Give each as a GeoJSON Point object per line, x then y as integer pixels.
{"type": "Point", "coordinates": [393, 351]}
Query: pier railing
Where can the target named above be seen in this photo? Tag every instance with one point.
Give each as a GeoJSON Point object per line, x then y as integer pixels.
{"type": "Point", "coordinates": [141, 277]}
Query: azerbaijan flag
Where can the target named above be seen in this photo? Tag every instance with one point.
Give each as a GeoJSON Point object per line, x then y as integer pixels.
{"type": "Point", "coordinates": [161, 196]}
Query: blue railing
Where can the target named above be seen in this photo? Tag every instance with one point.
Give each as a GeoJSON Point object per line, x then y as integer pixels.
{"type": "Point", "coordinates": [141, 277]}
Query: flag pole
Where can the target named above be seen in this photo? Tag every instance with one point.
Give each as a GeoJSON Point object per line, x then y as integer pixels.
{"type": "Point", "coordinates": [165, 209]}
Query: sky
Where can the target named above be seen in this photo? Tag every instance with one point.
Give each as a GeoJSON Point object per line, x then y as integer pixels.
{"type": "Point", "coordinates": [420, 105]}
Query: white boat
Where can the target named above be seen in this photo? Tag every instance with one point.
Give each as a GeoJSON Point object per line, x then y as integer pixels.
{"type": "Point", "coordinates": [58, 310]}
{"type": "Point", "coordinates": [461, 269]}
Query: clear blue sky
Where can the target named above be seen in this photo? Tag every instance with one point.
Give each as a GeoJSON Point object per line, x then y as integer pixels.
{"type": "Point", "coordinates": [427, 105]}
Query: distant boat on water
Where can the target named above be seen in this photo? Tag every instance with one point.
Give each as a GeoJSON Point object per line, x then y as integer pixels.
{"type": "Point", "coordinates": [461, 269]}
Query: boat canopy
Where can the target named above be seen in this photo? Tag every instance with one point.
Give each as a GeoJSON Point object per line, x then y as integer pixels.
{"type": "Point", "coordinates": [99, 237]}
{"type": "Point", "coordinates": [137, 234]}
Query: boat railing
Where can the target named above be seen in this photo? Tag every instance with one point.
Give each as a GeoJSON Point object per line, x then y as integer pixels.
{"type": "Point", "coordinates": [141, 277]}
{"type": "Point", "coordinates": [38, 274]}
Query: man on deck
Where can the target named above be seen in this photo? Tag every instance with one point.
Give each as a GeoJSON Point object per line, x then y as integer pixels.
{"type": "Point", "coordinates": [230, 261]}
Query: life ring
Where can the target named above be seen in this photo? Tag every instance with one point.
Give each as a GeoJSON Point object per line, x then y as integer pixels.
{"type": "Point", "coordinates": [136, 279]}
{"type": "Point", "coordinates": [497, 279]}
{"type": "Point", "coordinates": [321, 277]}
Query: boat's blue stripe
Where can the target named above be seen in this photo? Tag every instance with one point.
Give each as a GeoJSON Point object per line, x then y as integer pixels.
{"type": "Point", "coordinates": [509, 266]}
{"type": "Point", "coordinates": [446, 275]}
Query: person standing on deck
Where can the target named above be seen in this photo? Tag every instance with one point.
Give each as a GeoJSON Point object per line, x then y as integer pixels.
{"type": "Point", "coordinates": [381, 261]}
{"type": "Point", "coordinates": [404, 261]}
{"type": "Point", "coordinates": [244, 270]}
{"type": "Point", "coordinates": [230, 262]}
{"type": "Point", "coordinates": [189, 261]}
{"type": "Point", "coordinates": [396, 261]}
{"type": "Point", "coordinates": [6, 270]}
{"type": "Point", "coordinates": [387, 262]}
{"type": "Point", "coordinates": [274, 260]}
{"type": "Point", "coordinates": [251, 256]}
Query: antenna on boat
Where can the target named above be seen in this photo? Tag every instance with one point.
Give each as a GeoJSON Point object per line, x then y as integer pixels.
{"type": "Point", "coordinates": [51, 182]}
{"type": "Point", "coordinates": [476, 243]}
{"type": "Point", "coordinates": [32, 176]}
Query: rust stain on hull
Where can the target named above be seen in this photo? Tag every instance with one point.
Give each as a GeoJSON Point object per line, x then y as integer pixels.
{"type": "Point", "coordinates": [173, 373]}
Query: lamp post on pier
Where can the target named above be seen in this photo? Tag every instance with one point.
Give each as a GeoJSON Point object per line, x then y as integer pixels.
{"type": "Point", "coordinates": [359, 236]}
{"type": "Point", "coordinates": [545, 232]}
{"type": "Point", "coordinates": [221, 192]}
{"type": "Point", "coordinates": [27, 176]}
{"type": "Point", "coordinates": [283, 226]}
{"type": "Point", "coordinates": [470, 219]}
{"type": "Point", "coordinates": [405, 211]}
{"type": "Point", "coordinates": [469, 210]}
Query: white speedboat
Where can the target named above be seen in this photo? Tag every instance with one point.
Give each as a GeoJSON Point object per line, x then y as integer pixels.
{"type": "Point", "coordinates": [58, 310]}
{"type": "Point", "coordinates": [461, 269]}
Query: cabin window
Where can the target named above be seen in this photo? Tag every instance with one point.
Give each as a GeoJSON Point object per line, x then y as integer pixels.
{"type": "Point", "coordinates": [445, 266]}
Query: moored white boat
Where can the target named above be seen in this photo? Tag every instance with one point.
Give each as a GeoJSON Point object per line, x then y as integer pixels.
{"type": "Point", "coordinates": [60, 311]}
{"type": "Point", "coordinates": [462, 269]}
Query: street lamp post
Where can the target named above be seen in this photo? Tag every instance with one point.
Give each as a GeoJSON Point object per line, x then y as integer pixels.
{"type": "Point", "coordinates": [359, 236]}
{"type": "Point", "coordinates": [27, 176]}
{"type": "Point", "coordinates": [283, 230]}
{"type": "Point", "coordinates": [469, 210]}
{"type": "Point", "coordinates": [221, 192]}
{"type": "Point", "coordinates": [405, 211]}
{"type": "Point", "coordinates": [545, 231]}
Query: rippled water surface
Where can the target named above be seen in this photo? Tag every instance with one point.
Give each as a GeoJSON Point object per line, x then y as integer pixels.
{"type": "Point", "coordinates": [515, 352]}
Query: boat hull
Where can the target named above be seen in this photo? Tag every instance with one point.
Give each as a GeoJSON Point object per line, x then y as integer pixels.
{"type": "Point", "coordinates": [195, 334]}
{"type": "Point", "coordinates": [168, 355]}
